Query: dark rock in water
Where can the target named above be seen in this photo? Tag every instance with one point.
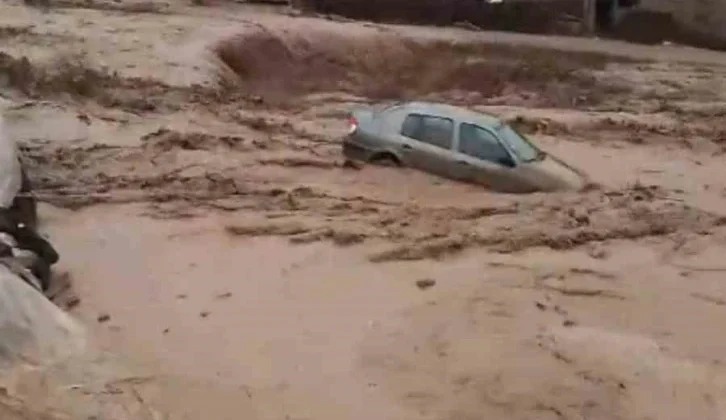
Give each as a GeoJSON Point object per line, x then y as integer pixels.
{"type": "Point", "coordinates": [425, 283]}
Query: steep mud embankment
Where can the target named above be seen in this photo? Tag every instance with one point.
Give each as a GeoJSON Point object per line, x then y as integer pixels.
{"type": "Point", "coordinates": [388, 66]}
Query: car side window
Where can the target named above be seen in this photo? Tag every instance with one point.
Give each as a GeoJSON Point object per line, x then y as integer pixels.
{"type": "Point", "coordinates": [481, 144]}
{"type": "Point", "coordinates": [436, 131]}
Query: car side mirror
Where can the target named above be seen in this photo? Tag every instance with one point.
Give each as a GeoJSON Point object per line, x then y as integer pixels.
{"type": "Point", "coordinates": [506, 161]}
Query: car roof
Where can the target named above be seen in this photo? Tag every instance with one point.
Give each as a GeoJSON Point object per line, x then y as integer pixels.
{"type": "Point", "coordinates": [453, 112]}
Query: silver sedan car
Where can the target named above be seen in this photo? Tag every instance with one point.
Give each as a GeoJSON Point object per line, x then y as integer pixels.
{"type": "Point", "coordinates": [456, 143]}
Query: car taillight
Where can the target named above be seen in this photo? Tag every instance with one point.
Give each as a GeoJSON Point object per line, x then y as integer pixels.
{"type": "Point", "coordinates": [352, 125]}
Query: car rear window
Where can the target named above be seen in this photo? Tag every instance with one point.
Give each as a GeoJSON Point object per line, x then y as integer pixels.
{"type": "Point", "coordinates": [436, 131]}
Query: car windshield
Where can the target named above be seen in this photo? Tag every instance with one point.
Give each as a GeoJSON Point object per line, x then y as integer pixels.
{"type": "Point", "coordinates": [523, 148]}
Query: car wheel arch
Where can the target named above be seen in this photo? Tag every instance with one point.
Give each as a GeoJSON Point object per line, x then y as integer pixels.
{"type": "Point", "coordinates": [386, 155]}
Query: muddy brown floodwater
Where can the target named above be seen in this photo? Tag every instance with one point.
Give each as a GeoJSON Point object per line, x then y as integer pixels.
{"type": "Point", "coordinates": [189, 163]}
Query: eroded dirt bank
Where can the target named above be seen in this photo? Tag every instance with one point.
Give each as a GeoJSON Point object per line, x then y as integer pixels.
{"type": "Point", "coordinates": [217, 240]}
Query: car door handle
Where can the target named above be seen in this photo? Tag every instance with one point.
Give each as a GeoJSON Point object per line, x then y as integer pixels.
{"type": "Point", "coordinates": [407, 146]}
{"type": "Point", "coordinates": [462, 162]}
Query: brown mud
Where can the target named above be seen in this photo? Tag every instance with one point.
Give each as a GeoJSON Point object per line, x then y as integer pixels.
{"type": "Point", "coordinates": [531, 17]}
{"type": "Point", "coordinates": [382, 67]}
{"type": "Point", "coordinates": [189, 164]}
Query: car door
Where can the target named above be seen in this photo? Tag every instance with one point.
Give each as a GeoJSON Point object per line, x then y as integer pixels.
{"type": "Point", "coordinates": [482, 159]}
{"type": "Point", "coordinates": [426, 142]}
